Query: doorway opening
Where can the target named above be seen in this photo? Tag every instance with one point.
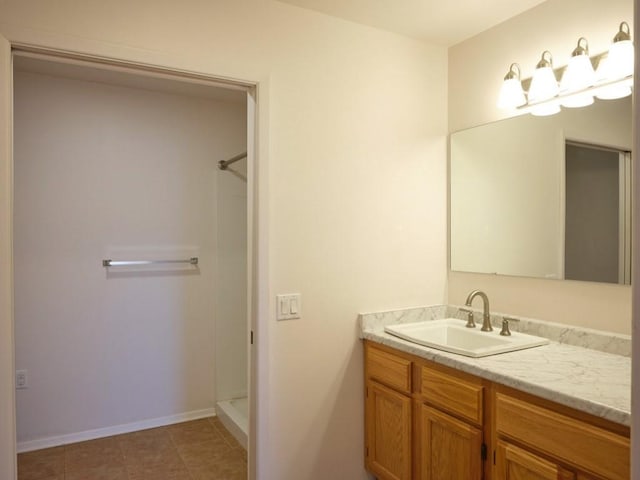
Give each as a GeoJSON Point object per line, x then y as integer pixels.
{"type": "Point", "coordinates": [118, 163]}
{"type": "Point", "coordinates": [597, 239]}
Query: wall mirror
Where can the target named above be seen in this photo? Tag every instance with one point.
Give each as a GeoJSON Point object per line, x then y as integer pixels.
{"type": "Point", "coordinates": [546, 197]}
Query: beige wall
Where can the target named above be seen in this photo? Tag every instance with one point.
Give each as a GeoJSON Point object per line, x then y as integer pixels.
{"type": "Point", "coordinates": [476, 69]}
{"type": "Point", "coordinates": [352, 157]}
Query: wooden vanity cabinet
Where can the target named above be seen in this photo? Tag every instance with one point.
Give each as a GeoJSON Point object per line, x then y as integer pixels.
{"type": "Point", "coordinates": [388, 415]}
{"type": "Point", "coordinates": [450, 440]}
{"type": "Point", "coordinates": [514, 463]}
{"type": "Point", "coordinates": [425, 421]}
{"type": "Point", "coordinates": [577, 445]}
{"type": "Point", "coordinates": [422, 421]}
{"type": "Point", "coordinates": [388, 433]}
{"type": "Point", "coordinates": [449, 448]}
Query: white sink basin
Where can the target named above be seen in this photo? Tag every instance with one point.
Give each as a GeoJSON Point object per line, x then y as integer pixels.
{"type": "Point", "coordinates": [451, 335]}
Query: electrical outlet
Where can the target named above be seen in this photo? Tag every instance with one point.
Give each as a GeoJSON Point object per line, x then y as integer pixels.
{"type": "Point", "coordinates": [22, 379]}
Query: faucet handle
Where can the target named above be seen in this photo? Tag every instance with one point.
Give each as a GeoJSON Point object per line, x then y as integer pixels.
{"type": "Point", "coordinates": [505, 332]}
{"type": "Point", "coordinates": [505, 328]}
{"type": "Point", "coordinates": [470, 320]}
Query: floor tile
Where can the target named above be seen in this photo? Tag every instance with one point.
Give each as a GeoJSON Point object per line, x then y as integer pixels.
{"type": "Point", "coordinates": [147, 447]}
{"type": "Point", "coordinates": [197, 431]}
{"type": "Point", "coordinates": [41, 464]}
{"type": "Point", "coordinates": [159, 471]}
{"type": "Point", "coordinates": [228, 466]}
{"type": "Point", "coordinates": [226, 434]}
{"type": "Point", "coordinates": [144, 438]}
{"type": "Point", "coordinates": [111, 472]}
{"type": "Point", "coordinates": [243, 453]}
{"type": "Point", "coordinates": [216, 422]}
{"type": "Point", "coordinates": [202, 453]}
{"type": "Point", "coordinates": [202, 449]}
{"type": "Point", "coordinates": [103, 452]}
{"type": "Point", "coordinates": [167, 456]}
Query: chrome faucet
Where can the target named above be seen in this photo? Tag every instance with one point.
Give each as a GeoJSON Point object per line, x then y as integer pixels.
{"type": "Point", "coordinates": [486, 317]}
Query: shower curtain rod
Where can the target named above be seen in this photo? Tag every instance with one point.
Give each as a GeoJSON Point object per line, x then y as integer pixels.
{"type": "Point", "coordinates": [223, 164]}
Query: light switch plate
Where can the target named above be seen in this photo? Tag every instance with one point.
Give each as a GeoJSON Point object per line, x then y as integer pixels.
{"type": "Point", "coordinates": [288, 306]}
{"type": "Point", "coordinates": [22, 379]}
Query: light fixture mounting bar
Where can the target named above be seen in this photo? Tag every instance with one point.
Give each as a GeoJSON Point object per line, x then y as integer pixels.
{"type": "Point", "coordinates": [592, 90]}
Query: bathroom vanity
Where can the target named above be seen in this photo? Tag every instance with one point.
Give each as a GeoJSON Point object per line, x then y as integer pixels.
{"type": "Point", "coordinates": [539, 413]}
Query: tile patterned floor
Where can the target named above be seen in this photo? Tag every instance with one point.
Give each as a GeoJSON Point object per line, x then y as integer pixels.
{"type": "Point", "coordinates": [197, 450]}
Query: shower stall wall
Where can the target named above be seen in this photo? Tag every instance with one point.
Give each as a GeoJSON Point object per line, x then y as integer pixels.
{"type": "Point", "coordinates": [232, 336]}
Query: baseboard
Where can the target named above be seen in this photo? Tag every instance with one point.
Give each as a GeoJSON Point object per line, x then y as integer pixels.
{"type": "Point", "coordinates": [56, 441]}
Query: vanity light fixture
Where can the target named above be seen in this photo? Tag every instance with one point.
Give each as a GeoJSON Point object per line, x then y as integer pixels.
{"type": "Point", "coordinates": [611, 90]}
{"type": "Point", "coordinates": [544, 84]}
{"type": "Point", "coordinates": [618, 64]}
{"type": "Point", "coordinates": [511, 92]}
{"type": "Point", "coordinates": [579, 82]}
{"type": "Point", "coordinates": [544, 87]}
{"type": "Point", "coordinates": [621, 54]}
{"type": "Point", "coordinates": [578, 75]}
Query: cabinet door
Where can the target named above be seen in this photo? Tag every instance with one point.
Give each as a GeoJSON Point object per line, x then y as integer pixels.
{"type": "Point", "coordinates": [388, 427]}
{"type": "Point", "coordinates": [451, 449]}
{"type": "Point", "coordinates": [513, 463]}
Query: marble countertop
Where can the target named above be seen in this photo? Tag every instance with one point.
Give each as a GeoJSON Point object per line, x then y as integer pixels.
{"type": "Point", "coordinates": [591, 381]}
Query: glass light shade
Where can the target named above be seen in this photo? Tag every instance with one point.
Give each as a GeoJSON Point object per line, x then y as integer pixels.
{"type": "Point", "coordinates": [577, 100]}
{"type": "Point", "coordinates": [578, 75]}
{"type": "Point", "coordinates": [619, 89]}
{"type": "Point", "coordinates": [511, 94]}
{"type": "Point", "coordinates": [616, 90]}
{"type": "Point", "coordinates": [543, 85]}
{"type": "Point", "coordinates": [546, 109]}
{"type": "Point", "coordinates": [613, 92]}
{"type": "Point", "coordinates": [620, 60]}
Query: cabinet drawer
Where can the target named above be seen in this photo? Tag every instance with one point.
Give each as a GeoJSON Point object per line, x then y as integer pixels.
{"type": "Point", "coordinates": [452, 394]}
{"type": "Point", "coordinates": [392, 370]}
{"type": "Point", "coordinates": [569, 440]}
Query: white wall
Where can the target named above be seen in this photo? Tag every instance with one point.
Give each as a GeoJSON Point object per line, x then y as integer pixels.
{"type": "Point", "coordinates": [107, 171]}
{"type": "Point", "coordinates": [476, 69]}
{"type": "Point", "coordinates": [352, 178]}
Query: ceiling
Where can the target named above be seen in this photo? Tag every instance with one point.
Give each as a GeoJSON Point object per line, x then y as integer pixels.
{"type": "Point", "coordinates": [443, 22]}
